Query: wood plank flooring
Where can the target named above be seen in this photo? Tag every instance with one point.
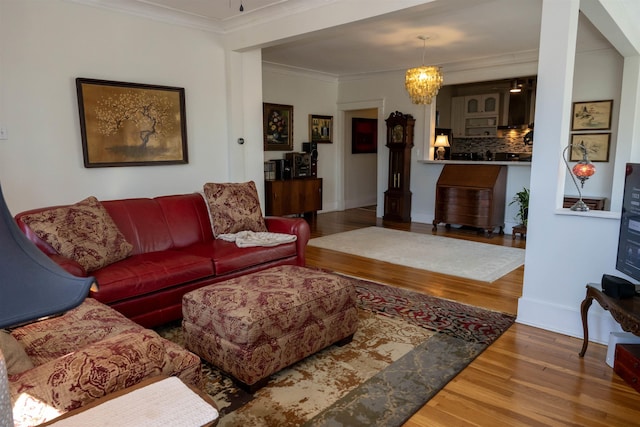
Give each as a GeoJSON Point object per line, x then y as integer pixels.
{"type": "Point", "coordinates": [528, 377]}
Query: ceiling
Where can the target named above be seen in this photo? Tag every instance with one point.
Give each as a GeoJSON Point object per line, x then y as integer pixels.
{"type": "Point", "coordinates": [458, 31]}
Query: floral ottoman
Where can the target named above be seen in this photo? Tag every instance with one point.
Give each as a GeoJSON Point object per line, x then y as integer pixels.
{"type": "Point", "coordinates": [255, 325]}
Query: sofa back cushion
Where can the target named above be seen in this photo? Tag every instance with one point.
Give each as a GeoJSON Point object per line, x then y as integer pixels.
{"type": "Point", "coordinates": [162, 223]}
{"type": "Point", "coordinates": [187, 216]}
{"type": "Point", "coordinates": [142, 222]}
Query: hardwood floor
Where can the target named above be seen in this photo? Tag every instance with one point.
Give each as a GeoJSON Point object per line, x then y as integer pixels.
{"type": "Point", "coordinates": [528, 377]}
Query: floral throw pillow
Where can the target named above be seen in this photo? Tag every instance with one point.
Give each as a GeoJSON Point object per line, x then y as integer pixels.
{"type": "Point", "coordinates": [234, 207]}
{"type": "Point", "coordinates": [83, 232]}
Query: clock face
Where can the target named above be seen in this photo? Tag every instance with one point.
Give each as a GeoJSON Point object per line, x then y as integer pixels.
{"type": "Point", "coordinates": [397, 134]}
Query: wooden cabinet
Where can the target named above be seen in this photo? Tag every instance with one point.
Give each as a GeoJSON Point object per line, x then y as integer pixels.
{"type": "Point", "coordinates": [294, 196]}
{"type": "Point", "coordinates": [471, 195]}
{"type": "Point", "coordinates": [457, 116]}
{"type": "Point", "coordinates": [397, 198]}
{"type": "Point", "coordinates": [475, 115]}
{"type": "Point", "coordinates": [594, 203]}
{"type": "Point", "coordinates": [482, 104]}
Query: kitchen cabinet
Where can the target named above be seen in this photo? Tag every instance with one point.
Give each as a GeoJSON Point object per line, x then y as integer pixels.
{"type": "Point", "coordinates": [471, 195]}
{"type": "Point", "coordinates": [482, 104]}
{"type": "Point", "coordinates": [481, 126]}
{"type": "Point", "coordinates": [457, 116]}
{"type": "Point", "coordinates": [475, 115]}
{"type": "Point", "coordinates": [293, 196]}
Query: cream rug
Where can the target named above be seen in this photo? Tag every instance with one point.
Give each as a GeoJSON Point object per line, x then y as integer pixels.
{"type": "Point", "coordinates": [455, 257]}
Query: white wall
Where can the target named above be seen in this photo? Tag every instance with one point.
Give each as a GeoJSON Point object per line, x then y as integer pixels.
{"type": "Point", "coordinates": [309, 94]}
{"type": "Point", "coordinates": [604, 67]}
{"type": "Point", "coordinates": [45, 45]}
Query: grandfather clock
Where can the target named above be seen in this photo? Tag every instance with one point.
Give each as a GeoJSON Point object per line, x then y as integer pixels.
{"type": "Point", "coordinates": [397, 199]}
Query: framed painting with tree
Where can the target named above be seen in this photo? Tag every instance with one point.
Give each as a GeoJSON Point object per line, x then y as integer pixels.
{"type": "Point", "coordinates": [131, 124]}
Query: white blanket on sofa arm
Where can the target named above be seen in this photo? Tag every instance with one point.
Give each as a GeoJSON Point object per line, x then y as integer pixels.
{"type": "Point", "coordinates": [246, 239]}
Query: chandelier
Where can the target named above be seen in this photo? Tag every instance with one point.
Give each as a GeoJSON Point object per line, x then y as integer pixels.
{"type": "Point", "coordinates": [422, 83]}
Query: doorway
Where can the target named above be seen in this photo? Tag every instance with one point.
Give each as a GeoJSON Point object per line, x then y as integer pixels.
{"type": "Point", "coordinates": [361, 171]}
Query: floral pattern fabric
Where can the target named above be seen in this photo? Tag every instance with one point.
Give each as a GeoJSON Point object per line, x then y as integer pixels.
{"type": "Point", "coordinates": [234, 207]}
{"type": "Point", "coordinates": [85, 354]}
{"type": "Point", "coordinates": [83, 232]}
{"type": "Point", "coordinates": [255, 325]}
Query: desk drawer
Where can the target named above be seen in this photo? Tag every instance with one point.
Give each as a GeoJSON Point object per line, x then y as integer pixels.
{"type": "Point", "coordinates": [627, 364]}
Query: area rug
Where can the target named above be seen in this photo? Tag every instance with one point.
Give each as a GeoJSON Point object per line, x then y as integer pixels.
{"type": "Point", "coordinates": [455, 257]}
{"type": "Point", "coordinates": [407, 347]}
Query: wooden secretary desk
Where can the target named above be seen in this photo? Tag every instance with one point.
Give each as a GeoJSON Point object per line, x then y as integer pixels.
{"type": "Point", "coordinates": [471, 195]}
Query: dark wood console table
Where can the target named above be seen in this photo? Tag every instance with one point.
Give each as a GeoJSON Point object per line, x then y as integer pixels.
{"type": "Point", "coordinates": [293, 196]}
{"type": "Point", "coordinates": [625, 311]}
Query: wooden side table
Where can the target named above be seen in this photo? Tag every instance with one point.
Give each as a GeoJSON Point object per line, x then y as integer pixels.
{"type": "Point", "coordinates": [625, 311]}
{"type": "Point", "coordinates": [522, 229]}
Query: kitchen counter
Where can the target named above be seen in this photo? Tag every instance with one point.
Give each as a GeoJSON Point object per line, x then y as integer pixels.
{"type": "Point", "coordinates": [476, 162]}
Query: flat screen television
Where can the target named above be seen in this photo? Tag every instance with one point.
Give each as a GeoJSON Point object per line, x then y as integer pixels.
{"type": "Point", "coordinates": [628, 259]}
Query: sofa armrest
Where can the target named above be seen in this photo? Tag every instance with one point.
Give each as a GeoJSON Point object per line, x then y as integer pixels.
{"type": "Point", "coordinates": [297, 226]}
{"type": "Point", "coordinates": [87, 374]}
{"type": "Point", "coordinates": [71, 266]}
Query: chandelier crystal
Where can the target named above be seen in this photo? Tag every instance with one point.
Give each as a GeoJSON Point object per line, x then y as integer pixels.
{"type": "Point", "coordinates": [424, 82]}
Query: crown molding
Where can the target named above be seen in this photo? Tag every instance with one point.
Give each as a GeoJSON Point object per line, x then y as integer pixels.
{"type": "Point", "coordinates": [167, 15]}
{"type": "Point", "coordinates": [299, 72]}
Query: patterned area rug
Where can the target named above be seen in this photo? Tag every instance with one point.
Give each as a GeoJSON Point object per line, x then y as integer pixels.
{"type": "Point", "coordinates": [455, 257]}
{"type": "Point", "coordinates": [407, 347]}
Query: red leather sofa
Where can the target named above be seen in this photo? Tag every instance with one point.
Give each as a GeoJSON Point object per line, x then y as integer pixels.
{"type": "Point", "coordinates": [174, 252]}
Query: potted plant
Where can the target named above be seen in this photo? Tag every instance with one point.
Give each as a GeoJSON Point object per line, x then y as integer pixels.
{"type": "Point", "coordinates": [522, 199]}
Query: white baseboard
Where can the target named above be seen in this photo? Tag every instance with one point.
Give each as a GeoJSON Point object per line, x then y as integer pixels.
{"type": "Point", "coordinates": [567, 320]}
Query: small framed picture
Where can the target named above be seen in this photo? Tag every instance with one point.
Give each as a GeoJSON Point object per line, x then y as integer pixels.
{"type": "Point", "coordinates": [277, 127]}
{"type": "Point", "coordinates": [321, 129]}
{"type": "Point", "coordinates": [364, 135]}
{"type": "Point", "coordinates": [597, 145]}
{"type": "Point", "coordinates": [592, 115]}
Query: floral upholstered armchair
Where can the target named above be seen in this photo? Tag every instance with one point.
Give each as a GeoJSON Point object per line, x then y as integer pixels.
{"type": "Point", "coordinates": [85, 354]}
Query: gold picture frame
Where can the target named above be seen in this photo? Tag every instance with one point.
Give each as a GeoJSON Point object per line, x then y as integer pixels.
{"type": "Point", "coordinates": [592, 115]}
{"type": "Point", "coordinates": [277, 127]}
{"type": "Point", "coordinates": [597, 145]}
{"type": "Point", "coordinates": [131, 124]}
{"type": "Point", "coordinates": [320, 129]}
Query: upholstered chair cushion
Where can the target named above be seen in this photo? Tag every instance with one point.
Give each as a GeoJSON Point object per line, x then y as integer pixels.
{"type": "Point", "coordinates": [83, 232]}
{"type": "Point", "coordinates": [234, 207]}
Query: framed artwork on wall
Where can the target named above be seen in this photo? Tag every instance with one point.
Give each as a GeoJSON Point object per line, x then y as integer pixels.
{"type": "Point", "coordinates": [131, 124]}
{"type": "Point", "coordinates": [320, 129]}
{"type": "Point", "coordinates": [277, 127]}
{"type": "Point", "coordinates": [597, 145]}
{"type": "Point", "coordinates": [592, 115]}
{"type": "Point", "coordinates": [364, 135]}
